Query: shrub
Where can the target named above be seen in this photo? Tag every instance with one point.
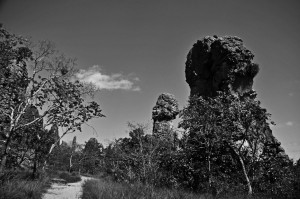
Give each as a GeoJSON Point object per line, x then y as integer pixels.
{"type": "Point", "coordinates": [15, 174]}
{"type": "Point", "coordinates": [19, 185]}
{"type": "Point", "coordinates": [70, 178]}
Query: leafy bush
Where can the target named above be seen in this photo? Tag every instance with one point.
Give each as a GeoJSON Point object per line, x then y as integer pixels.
{"type": "Point", "coordinates": [15, 174]}
{"type": "Point", "coordinates": [70, 178]}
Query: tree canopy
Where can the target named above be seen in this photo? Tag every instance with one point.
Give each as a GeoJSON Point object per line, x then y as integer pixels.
{"type": "Point", "coordinates": [38, 77]}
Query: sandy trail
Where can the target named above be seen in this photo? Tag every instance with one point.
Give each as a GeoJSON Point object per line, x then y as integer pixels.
{"type": "Point", "coordinates": [68, 191]}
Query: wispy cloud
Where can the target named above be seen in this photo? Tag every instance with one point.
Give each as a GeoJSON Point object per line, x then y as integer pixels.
{"type": "Point", "coordinates": [102, 81]}
{"type": "Point", "coordinates": [289, 123]}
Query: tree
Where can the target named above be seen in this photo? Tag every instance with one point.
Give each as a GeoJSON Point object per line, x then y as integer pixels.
{"type": "Point", "coordinates": [92, 156]}
{"type": "Point", "coordinates": [296, 186]}
{"type": "Point", "coordinates": [141, 157]}
{"type": "Point", "coordinates": [13, 56]}
{"type": "Point", "coordinates": [201, 119]}
{"type": "Point", "coordinates": [228, 124]}
{"type": "Point", "coordinates": [50, 87]}
{"type": "Point", "coordinates": [59, 159]}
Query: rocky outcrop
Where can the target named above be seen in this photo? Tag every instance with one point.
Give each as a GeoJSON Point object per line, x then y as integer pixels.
{"type": "Point", "coordinates": [225, 64]}
{"type": "Point", "coordinates": [218, 64]}
{"type": "Point", "coordinates": [163, 113]}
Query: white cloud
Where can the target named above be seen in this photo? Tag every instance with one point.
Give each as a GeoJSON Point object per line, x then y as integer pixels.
{"type": "Point", "coordinates": [289, 123]}
{"type": "Point", "coordinates": [102, 81]}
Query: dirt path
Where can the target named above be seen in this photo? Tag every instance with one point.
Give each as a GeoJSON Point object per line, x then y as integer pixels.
{"type": "Point", "coordinates": [68, 191]}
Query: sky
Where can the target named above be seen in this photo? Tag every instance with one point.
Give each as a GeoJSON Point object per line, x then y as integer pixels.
{"type": "Point", "coordinates": [134, 50]}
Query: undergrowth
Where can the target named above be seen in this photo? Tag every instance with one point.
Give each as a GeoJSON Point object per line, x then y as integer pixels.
{"type": "Point", "coordinates": [21, 185]}
{"type": "Point", "coordinates": [70, 178]}
{"type": "Point", "coordinates": [99, 189]}
{"type": "Point", "coordinates": [103, 189]}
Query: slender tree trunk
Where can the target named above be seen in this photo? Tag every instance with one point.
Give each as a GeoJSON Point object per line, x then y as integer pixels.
{"type": "Point", "coordinates": [70, 166]}
{"type": "Point", "coordinates": [4, 156]}
{"type": "Point", "coordinates": [246, 176]}
{"type": "Point", "coordinates": [3, 161]}
{"type": "Point", "coordinates": [250, 191]}
{"type": "Point", "coordinates": [47, 156]}
{"type": "Point", "coordinates": [209, 172]}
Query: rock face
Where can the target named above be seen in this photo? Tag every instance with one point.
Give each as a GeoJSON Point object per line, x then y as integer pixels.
{"type": "Point", "coordinates": [220, 63]}
{"type": "Point", "coordinates": [163, 113]}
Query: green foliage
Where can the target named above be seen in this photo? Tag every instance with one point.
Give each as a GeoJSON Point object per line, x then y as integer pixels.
{"type": "Point", "coordinates": [142, 158]}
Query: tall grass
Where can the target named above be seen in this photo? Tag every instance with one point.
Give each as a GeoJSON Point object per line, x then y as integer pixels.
{"type": "Point", "coordinates": [101, 189]}
{"type": "Point", "coordinates": [98, 189]}
{"type": "Point", "coordinates": [20, 185]}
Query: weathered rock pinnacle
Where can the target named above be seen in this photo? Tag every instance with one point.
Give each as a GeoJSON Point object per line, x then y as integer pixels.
{"type": "Point", "coordinates": [163, 113]}
{"type": "Point", "coordinates": [224, 64]}
{"type": "Point", "coordinates": [218, 64]}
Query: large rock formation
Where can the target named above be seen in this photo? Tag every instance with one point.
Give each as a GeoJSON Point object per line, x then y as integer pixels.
{"type": "Point", "coordinates": [163, 113]}
{"type": "Point", "coordinates": [224, 64]}
{"type": "Point", "coordinates": [219, 63]}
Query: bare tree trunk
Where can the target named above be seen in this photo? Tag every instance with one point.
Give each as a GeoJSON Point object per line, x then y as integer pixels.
{"type": "Point", "coordinates": [70, 166]}
{"type": "Point", "coordinates": [246, 176]}
{"type": "Point", "coordinates": [47, 156]}
{"type": "Point", "coordinates": [3, 161]}
{"type": "Point", "coordinates": [250, 191]}
{"type": "Point", "coordinates": [4, 156]}
{"type": "Point", "coordinates": [34, 170]}
{"type": "Point", "coordinates": [209, 172]}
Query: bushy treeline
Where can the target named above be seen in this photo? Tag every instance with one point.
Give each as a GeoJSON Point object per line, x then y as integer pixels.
{"type": "Point", "coordinates": [78, 158]}
{"type": "Point", "coordinates": [227, 148]}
